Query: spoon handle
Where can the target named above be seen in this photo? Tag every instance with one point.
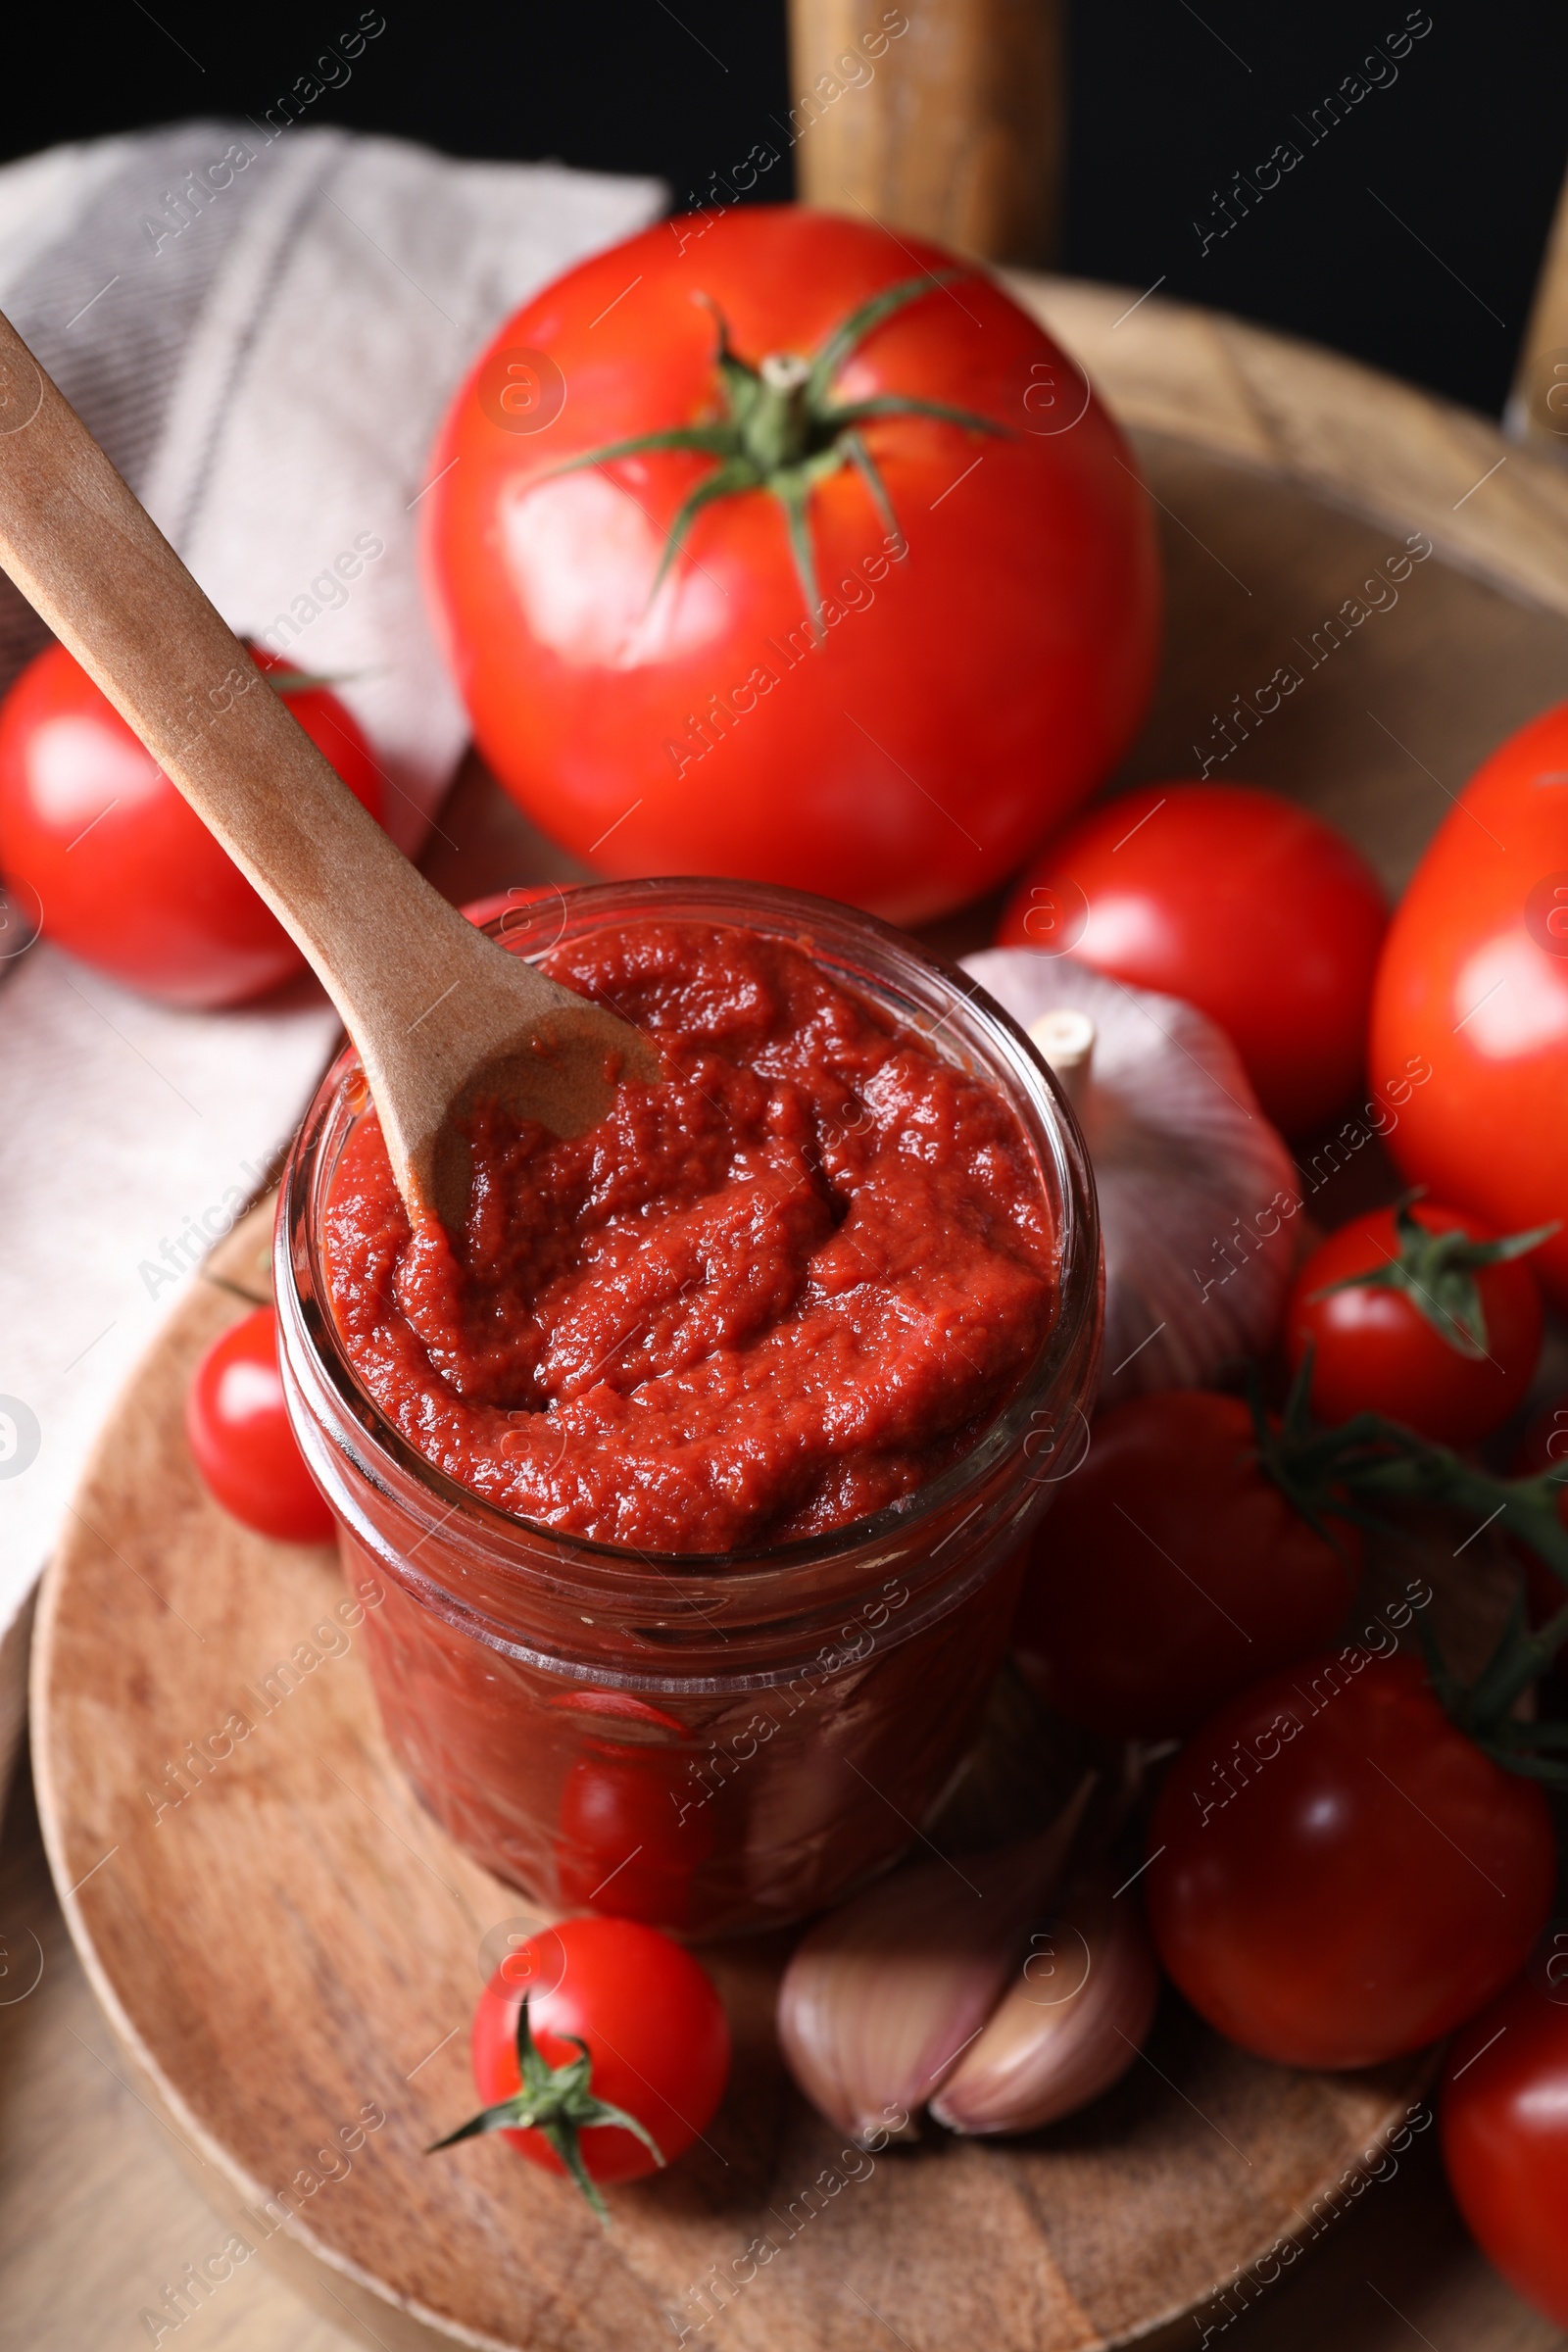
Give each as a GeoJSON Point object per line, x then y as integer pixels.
{"type": "Point", "coordinates": [92, 562]}
{"type": "Point", "coordinates": [423, 995]}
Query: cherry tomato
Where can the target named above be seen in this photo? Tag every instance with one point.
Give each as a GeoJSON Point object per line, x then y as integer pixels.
{"type": "Point", "coordinates": [1503, 2124]}
{"type": "Point", "coordinates": [1472, 996]}
{"type": "Point", "coordinates": [887, 702]}
{"type": "Point", "coordinates": [1172, 1570]}
{"type": "Point", "coordinates": [1439, 1341]}
{"type": "Point", "coordinates": [655, 2027]}
{"type": "Point", "coordinates": [1239, 901]}
{"type": "Point", "coordinates": [1338, 1874]}
{"type": "Point", "coordinates": [238, 1428]}
{"type": "Point", "coordinates": [124, 872]}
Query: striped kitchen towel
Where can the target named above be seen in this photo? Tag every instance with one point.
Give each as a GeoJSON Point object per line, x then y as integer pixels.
{"type": "Point", "coordinates": [261, 323]}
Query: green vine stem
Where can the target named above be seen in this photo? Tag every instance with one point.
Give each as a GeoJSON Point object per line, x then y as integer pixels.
{"type": "Point", "coordinates": [1369, 1461]}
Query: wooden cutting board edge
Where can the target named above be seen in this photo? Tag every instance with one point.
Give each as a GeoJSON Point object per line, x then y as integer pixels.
{"type": "Point", "coordinates": [1366, 442]}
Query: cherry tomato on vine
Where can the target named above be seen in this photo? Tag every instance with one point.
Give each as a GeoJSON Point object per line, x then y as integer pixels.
{"type": "Point", "coordinates": [738, 575]}
{"type": "Point", "coordinates": [624, 2051]}
{"type": "Point", "coordinates": [1472, 996]}
{"type": "Point", "coordinates": [1420, 1313]}
{"type": "Point", "coordinates": [119, 866]}
{"type": "Point", "coordinates": [1339, 1874]}
{"type": "Point", "coordinates": [1171, 1569]}
{"type": "Point", "coordinates": [1503, 2124]}
{"type": "Point", "coordinates": [1239, 902]}
{"type": "Point", "coordinates": [239, 1432]}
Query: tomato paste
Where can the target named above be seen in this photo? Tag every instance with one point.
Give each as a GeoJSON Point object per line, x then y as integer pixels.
{"type": "Point", "coordinates": [758, 1301]}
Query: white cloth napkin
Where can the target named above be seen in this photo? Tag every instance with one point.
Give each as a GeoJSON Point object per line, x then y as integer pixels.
{"type": "Point", "coordinates": [263, 330]}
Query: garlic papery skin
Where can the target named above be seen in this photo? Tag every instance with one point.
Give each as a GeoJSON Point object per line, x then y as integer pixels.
{"type": "Point", "coordinates": [1070, 2023]}
{"type": "Point", "coordinates": [882, 1997]}
{"type": "Point", "coordinates": [1198, 1196]}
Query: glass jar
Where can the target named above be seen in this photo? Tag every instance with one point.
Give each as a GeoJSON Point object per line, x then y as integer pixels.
{"type": "Point", "coordinates": [709, 1743]}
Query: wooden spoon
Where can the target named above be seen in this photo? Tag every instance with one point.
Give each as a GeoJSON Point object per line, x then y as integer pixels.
{"type": "Point", "coordinates": [439, 1013]}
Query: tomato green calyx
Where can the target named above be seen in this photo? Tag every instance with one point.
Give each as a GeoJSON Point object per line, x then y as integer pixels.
{"type": "Point", "coordinates": [782, 431]}
{"type": "Point", "coordinates": [1436, 1273]}
{"type": "Point", "coordinates": [557, 2101]}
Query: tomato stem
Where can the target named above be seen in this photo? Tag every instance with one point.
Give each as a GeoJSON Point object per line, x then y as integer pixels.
{"type": "Point", "coordinates": [1306, 1467]}
{"type": "Point", "coordinates": [557, 2101]}
{"type": "Point", "coordinates": [1526, 1508]}
{"type": "Point", "coordinates": [778, 428]}
{"type": "Point", "coordinates": [781, 431]}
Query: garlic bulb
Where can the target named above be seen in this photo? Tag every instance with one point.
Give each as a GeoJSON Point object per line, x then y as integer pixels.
{"type": "Point", "coordinates": [881, 1998]}
{"type": "Point", "coordinates": [1070, 2025]}
{"type": "Point", "coordinates": [1196, 1189]}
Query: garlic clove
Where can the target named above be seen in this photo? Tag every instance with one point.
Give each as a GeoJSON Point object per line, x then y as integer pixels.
{"type": "Point", "coordinates": [1197, 1192]}
{"type": "Point", "coordinates": [880, 1999]}
{"type": "Point", "coordinates": [1070, 2025]}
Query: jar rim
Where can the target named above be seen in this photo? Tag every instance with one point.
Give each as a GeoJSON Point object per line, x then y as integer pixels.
{"type": "Point", "coordinates": [971, 1015]}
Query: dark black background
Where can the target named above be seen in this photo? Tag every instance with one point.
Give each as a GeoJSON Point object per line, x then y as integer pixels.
{"type": "Point", "coordinates": [1167, 99]}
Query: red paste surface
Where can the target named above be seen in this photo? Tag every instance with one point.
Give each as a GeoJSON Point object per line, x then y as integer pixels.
{"type": "Point", "coordinates": [755, 1303]}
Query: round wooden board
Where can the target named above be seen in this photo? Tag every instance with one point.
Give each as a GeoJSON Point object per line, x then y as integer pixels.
{"type": "Point", "coordinates": [296, 1941]}
{"type": "Point", "coordinates": [295, 1938]}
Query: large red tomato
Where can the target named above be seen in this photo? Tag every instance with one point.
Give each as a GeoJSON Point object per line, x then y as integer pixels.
{"type": "Point", "coordinates": [1474, 980]}
{"type": "Point", "coordinates": [1239, 901]}
{"type": "Point", "coordinates": [1505, 2126]}
{"type": "Point", "coordinates": [1336, 1874]}
{"type": "Point", "coordinates": [636, 639]}
{"type": "Point", "coordinates": [115, 865]}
